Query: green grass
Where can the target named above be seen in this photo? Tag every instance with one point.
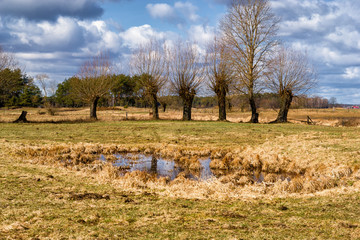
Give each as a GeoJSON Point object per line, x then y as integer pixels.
{"type": "Point", "coordinates": [38, 202]}
{"type": "Point", "coordinates": [213, 134]}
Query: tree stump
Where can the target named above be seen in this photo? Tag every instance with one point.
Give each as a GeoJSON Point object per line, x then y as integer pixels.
{"type": "Point", "coordinates": [22, 118]}
{"type": "Point", "coordinates": [310, 121]}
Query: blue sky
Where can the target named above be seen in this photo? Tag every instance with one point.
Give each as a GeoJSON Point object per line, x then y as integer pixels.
{"type": "Point", "coordinates": [55, 37]}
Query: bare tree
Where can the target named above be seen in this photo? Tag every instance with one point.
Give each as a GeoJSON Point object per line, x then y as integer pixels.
{"type": "Point", "coordinates": [149, 62]}
{"type": "Point", "coordinates": [219, 73]}
{"type": "Point", "coordinates": [42, 79]}
{"type": "Point", "coordinates": [7, 60]}
{"type": "Point", "coordinates": [249, 29]}
{"type": "Point", "coordinates": [289, 73]}
{"type": "Point", "coordinates": [332, 101]}
{"type": "Point", "coordinates": [93, 81]}
{"type": "Point", "coordinates": [186, 74]}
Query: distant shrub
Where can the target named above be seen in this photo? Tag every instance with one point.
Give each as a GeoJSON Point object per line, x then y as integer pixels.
{"type": "Point", "coordinates": [349, 122]}
{"type": "Point", "coordinates": [51, 111]}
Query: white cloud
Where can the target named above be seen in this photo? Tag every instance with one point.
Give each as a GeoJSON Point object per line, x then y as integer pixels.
{"type": "Point", "coordinates": [65, 33]}
{"type": "Point", "coordinates": [134, 36]}
{"type": "Point", "coordinates": [188, 10]}
{"type": "Point", "coordinates": [161, 10]}
{"type": "Point", "coordinates": [352, 73]}
{"type": "Point", "coordinates": [100, 37]}
{"type": "Point", "coordinates": [346, 35]}
{"type": "Point", "coordinates": [201, 34]}
{"type": "Point", "coordinates": [179, 13]}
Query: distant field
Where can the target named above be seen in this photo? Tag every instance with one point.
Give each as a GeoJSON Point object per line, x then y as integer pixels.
{"type": "Point", "coordinates": [41, 195]}
{"type": "Point", "coordinates": [329, 117]}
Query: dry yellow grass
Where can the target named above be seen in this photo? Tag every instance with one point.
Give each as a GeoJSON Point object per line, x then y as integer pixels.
{"type": "Point", "coordinates": [326, 117]}
{"type": "Point", "coordinates": [312, 169]}
{"type": "Point", "coordinates": [314, 160]}
{"type": "Point", "coordinates": [54, 186]}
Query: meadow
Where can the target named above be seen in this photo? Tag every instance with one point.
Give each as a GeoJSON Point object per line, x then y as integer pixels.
{"type": "Point", "coordinates": [54, 186]}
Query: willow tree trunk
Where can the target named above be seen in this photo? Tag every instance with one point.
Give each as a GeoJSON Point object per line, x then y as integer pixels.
{"type": "Point", "coordinates": [254, 114]}
{"type": "Point", "coordinates": [188, 101]}
{"type": "Point", "coordinates": [22, 118]}
{"type": "Point", "coordinates": [93, 107]}
{"type": "Point", "coordinates": [164, 106]}
{"type": "Point", "coordinates": [221, 94]}
{"type": "Point", "coordinates": [285, 102]}
{"type": "Point", "coordinates": [155, 107]}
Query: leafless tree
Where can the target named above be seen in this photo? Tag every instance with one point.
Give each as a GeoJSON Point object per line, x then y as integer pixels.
{"type": "Point", "coordinates": [7, 60]}
{"type": "Point", "coordinates": [93, 81]}
{"type": "Point", "coordinates": [186, 74]}
{"type": "Point", "coordinates": [249, 29]}
{"type": "Point", "coordinates": [42, 80]}
{"type": "Point", "coordinates": [149, 62]}
{"type": "Point", "coordinates": [289, 73]}
{"type": "Point", "coordinates": [219, 73]}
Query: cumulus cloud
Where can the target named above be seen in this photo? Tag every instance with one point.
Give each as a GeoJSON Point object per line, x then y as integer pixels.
{"type": "Point", "coordinates": [201, 34]}
{"type": "Point", "coordinates": [329, 31]}
{"type": "Point", "coordinates": [161, 10]}
{"type": "Point", "coordinates": [134, 36]}
{"type": "Point", "coordinates": [64, 34]}
{"type": "Point", "coordinates": [352, 73]}
{"type": "Point", "coordinates": [179, 13]}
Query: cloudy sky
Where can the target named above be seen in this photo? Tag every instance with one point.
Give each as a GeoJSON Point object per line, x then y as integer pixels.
{"type": "Point", "coordinates": [56, 36]}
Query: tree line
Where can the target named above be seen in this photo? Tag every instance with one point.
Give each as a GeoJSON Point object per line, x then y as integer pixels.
{"type": "Point", "coordinates": [245, 59]}
{"type": "Point", "coordinates": [16, 88]}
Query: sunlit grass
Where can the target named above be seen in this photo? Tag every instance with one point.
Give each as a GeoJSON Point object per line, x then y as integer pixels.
{"type": "Point", "coordinates": [39, 201]}
{"type": "Point", "coordinates": [44, 202]}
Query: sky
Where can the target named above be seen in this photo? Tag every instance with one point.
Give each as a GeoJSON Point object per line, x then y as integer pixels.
{"type": "Point", "coordinates": [56, 36]}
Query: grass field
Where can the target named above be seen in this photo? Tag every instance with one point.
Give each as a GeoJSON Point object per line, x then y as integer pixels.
{"type": "Point", "coordinates": [41, 198]}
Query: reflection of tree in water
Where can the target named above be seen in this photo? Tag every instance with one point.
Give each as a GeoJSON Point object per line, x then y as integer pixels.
{"type": "Point", "coordinates": [153, 168]}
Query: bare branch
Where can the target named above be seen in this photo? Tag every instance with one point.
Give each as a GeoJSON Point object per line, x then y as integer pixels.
{"type": "Point", "coordinates": [186, 73]}
{"type": "Point", "coordinates": [249, 30]}
{"type": "Point", "coordinates": [149, 62]}
{"type": "Point", "coordinates": [93, 81]}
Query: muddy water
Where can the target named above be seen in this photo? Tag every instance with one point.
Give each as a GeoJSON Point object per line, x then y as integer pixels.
{"type": "Point", "coordinates": [169, 168]}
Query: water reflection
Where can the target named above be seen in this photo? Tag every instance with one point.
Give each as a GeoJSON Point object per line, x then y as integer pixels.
{"type": "Point", "coordinates": [169, 168]}
{"type": "Point", "coordinates": [160, 166]}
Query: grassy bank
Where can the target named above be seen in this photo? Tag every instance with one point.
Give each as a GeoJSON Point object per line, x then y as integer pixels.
{"type": "Point", "coordinates": [41, 202]}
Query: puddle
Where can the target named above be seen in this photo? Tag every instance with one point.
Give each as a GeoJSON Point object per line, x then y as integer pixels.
{"type": "Point", "coordinates": [169, 168]}
{"type": "Point", "coordinates": [159, 166]}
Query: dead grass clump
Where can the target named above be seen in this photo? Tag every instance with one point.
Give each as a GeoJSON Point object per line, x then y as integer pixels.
{"type": "Point", "coordinates": [348, 122]}
{"type": "Point", "coordinates": [252, 162]}
{"type": "Point", "coordinates": [238, 179]}
{"type": "Point", "coordinates": [318, 184]}
{"type": "Point", "coordinates": [217, 154]}
{"type": "Point", "coordinates": [271, 178]}
{"type": "Point", "coordinates": [221, 163]}
{"type": "Point", "coordinates": [295, 185]}
{"type": "Point", "coordinates": [218, 165]}
{"type": "Point", "coordinates": [191, 163]}
{"type": "Point", "coordinates": [341, 171]}
{"type": "Point", "coordinates": [140, 176]}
